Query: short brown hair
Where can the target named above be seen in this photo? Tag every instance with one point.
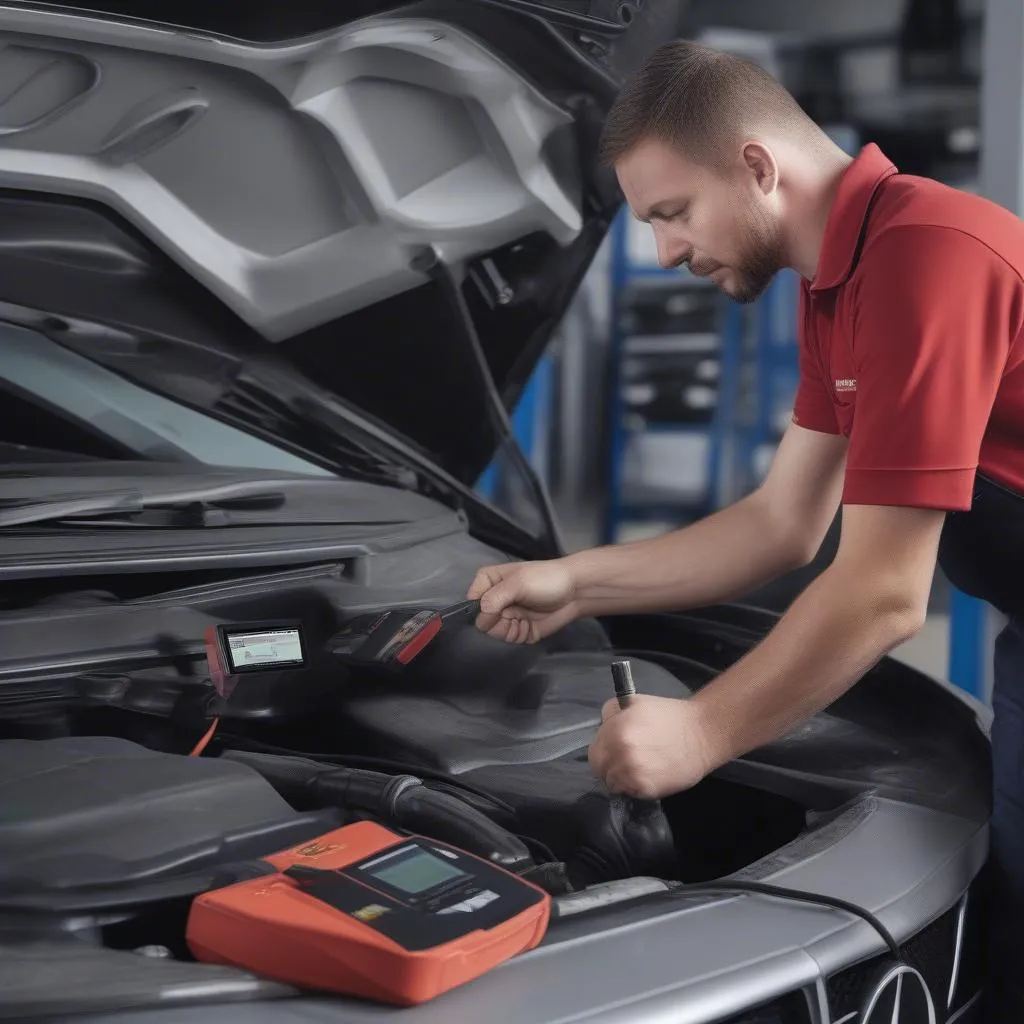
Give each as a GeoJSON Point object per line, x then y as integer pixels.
{"type": "Point", "coordinates": [699, 100]}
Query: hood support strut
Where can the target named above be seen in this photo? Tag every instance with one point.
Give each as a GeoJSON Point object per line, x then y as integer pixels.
{"type": "Point", "coordinates": [427, 261]}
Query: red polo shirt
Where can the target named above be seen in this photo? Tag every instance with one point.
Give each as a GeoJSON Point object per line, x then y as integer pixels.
{"type": "Point", "coordinates": [911, 339]}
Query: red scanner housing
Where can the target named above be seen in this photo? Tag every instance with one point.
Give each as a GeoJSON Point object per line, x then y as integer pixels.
{"type": "Point", "coordinates": [366, 912]}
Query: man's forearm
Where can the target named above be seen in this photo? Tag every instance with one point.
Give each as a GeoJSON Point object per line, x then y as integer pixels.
{"type": "Point", "coordinates": [717, 559]}
{"type": "Point", "coordinates": [833, 633]}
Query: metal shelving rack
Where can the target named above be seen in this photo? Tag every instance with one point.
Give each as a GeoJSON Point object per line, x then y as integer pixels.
{"type": "Point", "coordinates": [763, 346]}
{"type": "Point", "coordinates": [623, 503]}
{"type": "Point", "coordinates": [756, 353]}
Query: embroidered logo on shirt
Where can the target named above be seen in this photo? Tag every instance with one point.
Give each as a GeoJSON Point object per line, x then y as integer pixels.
{"type": "Point", "coordinates": [846, 384]}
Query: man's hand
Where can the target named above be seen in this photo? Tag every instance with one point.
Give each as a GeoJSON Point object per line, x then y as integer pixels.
{"type": "Point", "coordinates": [653, 748]}
{"type": "Point", "coordinates": [524, 602]}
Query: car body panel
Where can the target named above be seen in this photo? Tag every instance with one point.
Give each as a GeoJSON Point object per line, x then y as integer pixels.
{"type": "Point", "coordinates": [695, 964]}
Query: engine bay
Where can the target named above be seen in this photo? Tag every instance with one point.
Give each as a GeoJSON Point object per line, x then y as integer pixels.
{"type": "Point", "coordinates": [138, 773]}
{"type": "Point", "coordinates": [129, 786]}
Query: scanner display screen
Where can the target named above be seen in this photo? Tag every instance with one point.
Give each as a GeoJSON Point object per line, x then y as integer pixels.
{"type": "Point", "coordinates": [414, 874]}
{"type": "Point", "coordinates": [265, 648]}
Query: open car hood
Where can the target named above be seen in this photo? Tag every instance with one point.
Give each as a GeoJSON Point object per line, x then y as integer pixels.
{"type": "Point", "coordinates": [396, 199]}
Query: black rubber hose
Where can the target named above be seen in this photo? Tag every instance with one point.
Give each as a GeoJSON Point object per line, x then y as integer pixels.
{"type": "Point", "coordinates": [401, 800]}
{"type": "Point", "coordinates": [462, 789]}
{"type": "Point", "coordinates": [444, 817]}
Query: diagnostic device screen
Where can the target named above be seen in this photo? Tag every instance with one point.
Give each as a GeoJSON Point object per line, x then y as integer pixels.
{"type": "Point", "coordinates": [264, 648]}
{"type": "Point", "coordinates": [415, 873]}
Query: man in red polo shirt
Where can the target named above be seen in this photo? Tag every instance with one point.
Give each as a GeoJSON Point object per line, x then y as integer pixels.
{"type": "Point", "coordinates": [909, 414]}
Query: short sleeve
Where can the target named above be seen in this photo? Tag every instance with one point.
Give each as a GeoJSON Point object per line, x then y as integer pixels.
{"type": "Point", "coordinates": [812, 407]}
{"type": "Point", "coordinates": [934, 313]}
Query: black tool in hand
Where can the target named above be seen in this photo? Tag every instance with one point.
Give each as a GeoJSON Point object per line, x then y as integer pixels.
{"type": "Point", "coordinates": [392, 638]}
{"type": "Point", "coordinates": [647, 831]}
{"type": "Point", "coordinates": [625, 688]}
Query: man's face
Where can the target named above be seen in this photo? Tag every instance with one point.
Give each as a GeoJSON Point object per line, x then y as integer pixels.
{"type": "Point", "coordinates": [720, 225]}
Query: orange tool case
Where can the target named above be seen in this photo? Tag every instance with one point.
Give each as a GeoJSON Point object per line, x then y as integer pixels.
{"type": "Point", "coordinates": [367, 912]}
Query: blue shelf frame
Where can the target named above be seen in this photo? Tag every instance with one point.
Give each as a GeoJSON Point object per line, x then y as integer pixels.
{"type": "Point", "coordinates": [776, 366]}
{"type": "Point", "coordinates": [617, 510]}
{"type": "Point", "coordinates": [969, 649]}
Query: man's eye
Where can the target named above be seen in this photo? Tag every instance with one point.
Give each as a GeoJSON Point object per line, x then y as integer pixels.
{"type": "Point", "coordinates": [672, 215]}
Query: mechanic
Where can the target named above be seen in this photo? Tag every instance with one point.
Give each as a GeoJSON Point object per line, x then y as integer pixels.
{"type": "Point", "coordinates": [909, 414]}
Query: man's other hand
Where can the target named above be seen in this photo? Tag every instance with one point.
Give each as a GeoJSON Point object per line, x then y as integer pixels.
{"type": "Point", "coordinates": [655, 747]}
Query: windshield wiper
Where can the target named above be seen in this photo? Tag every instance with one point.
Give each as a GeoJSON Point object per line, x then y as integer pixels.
{"type": "Point", "coordinates": [306, 424]}
{"type": "Point", "coordinates": [209, 506]}
{"type": "Point", "coordinates": [269, 399]}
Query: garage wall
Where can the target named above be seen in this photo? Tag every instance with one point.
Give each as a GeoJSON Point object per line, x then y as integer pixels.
{"type": "Point", "coordinates": [827, 18]}
{"type": "Point", "coordinates": [868, 75]}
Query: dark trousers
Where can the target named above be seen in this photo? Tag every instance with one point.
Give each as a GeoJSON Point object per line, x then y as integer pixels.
{"type": "Point", "coordinates": [1004, 999]}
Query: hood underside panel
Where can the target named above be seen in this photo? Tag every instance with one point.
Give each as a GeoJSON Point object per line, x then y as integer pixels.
{"type": "Point", "coordinates": [297, 181]}
{"type": "Point", "coordinates": [332, 191]}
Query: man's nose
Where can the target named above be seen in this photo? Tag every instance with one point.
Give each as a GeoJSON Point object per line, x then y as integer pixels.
{"type": "Point", "coordinates": [671, 251]}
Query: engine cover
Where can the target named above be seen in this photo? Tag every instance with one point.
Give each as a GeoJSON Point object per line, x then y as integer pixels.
{"type": "Point", "coordinates": [550, 712]}
{"type": "Point", "coordinates": [96, 811]}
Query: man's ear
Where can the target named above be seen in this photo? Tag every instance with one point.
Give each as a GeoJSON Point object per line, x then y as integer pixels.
{"type": "Point", "coordinates": [760, 162]}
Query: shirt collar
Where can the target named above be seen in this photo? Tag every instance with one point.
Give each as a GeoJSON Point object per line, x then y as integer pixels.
{"type": "Point", "coordinates": [845, 224]}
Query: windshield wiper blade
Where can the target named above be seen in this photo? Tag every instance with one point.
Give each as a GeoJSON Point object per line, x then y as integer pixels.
{"type": "Point", "coordinates": [193, 507]}
{"type": "Point", "coordinates": [71, 506]}
{"type": "Point", "coordinates": [302, 421]}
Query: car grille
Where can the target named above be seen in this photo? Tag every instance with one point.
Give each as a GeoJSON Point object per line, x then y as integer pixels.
{"type": "Point", "coordinates": [931, 952]}
{"type": "Point", "coordinates": [790, 1009]}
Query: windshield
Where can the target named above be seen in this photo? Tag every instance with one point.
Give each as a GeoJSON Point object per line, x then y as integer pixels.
{"type": "Point", "coordinates": [55, 400]}
{"type": "Point", "coordinates": [58, 405]}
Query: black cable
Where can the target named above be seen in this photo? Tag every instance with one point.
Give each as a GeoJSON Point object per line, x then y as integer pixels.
{"type": "Point", "coordinates": [797, 896]}
{"type": "Point", "coordinates": [542, 852]}
{"type": "Point", "coordinates": [624, 687]}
